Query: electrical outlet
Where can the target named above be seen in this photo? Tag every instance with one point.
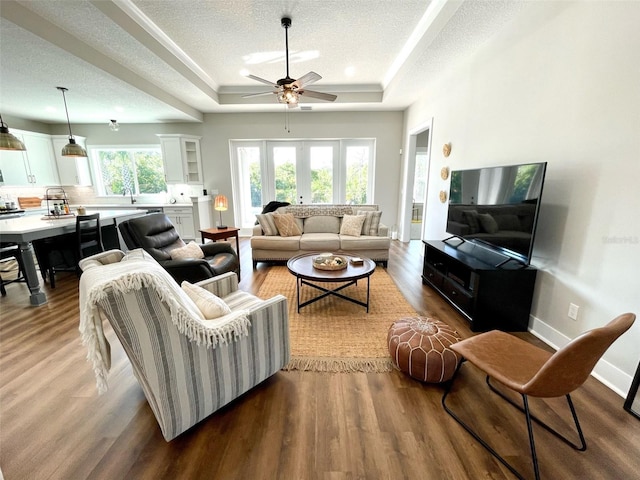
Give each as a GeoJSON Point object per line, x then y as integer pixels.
{"type": "Point", "coordinates": [573, 311]}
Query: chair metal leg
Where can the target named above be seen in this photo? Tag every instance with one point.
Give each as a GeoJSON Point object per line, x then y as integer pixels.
{"type": "Point", "coordinates": [583, 444]}
{"type": "Point", "coordinates": [532, 444]}
{"type": "Point", "coordinates": [479, 439]}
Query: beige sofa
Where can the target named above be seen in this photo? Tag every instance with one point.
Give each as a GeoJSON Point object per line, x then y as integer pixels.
{"type": "Point", "coordinates": [320, 226]}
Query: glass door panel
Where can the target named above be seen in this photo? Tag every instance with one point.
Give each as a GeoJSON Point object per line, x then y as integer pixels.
{"type": "Point", "coordinates": [357, 161]}
{"type": "Point", "coordinates": [321, 165]}
{"type": "Point", "coordinates": [284, 173]}
{"type": "Point", "coordinates": [250, 183]}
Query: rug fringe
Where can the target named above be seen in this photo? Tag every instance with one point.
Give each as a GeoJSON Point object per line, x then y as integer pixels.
{"type": "Point", "coordinates": [340, 365]}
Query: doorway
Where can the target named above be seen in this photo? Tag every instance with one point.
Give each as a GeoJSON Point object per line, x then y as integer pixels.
{"type": "Point", "coordinates": [419, 197]}
{"type": "Point", "coordinates": [416, 183]}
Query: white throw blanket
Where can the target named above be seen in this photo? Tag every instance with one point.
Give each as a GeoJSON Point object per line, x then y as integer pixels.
{"type": "Point", "coordinates": [135, 273]}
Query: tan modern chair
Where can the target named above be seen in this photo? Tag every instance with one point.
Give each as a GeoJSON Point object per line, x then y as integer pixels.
{"type": "Point", "coordinates": [531, 371]}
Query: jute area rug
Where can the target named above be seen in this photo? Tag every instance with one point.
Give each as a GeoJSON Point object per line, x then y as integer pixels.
{"type": "Point", "coordinates": [334, 335]}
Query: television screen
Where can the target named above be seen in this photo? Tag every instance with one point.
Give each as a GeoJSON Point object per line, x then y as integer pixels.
{"type": "Point", "coordinates": [497, 206]}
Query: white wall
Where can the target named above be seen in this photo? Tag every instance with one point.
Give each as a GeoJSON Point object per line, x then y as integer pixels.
{"type": "Point", "coordinates": [559, 84]}
{"type": "Point", "coordinates": [385, 127]}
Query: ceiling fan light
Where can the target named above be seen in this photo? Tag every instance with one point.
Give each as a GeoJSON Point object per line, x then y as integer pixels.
{"type": "Point", "coordinates": [72, 149]}
{"type": "Point", "coordinates": [288, 96]}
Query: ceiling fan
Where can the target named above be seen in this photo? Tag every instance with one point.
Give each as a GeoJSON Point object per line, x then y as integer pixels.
{"type": "Point", "coordinates": [289, 90]}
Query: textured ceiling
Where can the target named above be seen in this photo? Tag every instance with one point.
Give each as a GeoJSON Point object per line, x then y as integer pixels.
{"type": "Point", "coordinates": [156, 61]}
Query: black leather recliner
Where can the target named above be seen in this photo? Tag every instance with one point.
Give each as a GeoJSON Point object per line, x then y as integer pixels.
{"type": "Point", "coordinates": [156, 234]}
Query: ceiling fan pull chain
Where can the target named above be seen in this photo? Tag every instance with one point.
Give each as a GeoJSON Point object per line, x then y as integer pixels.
{"type": "Point", "coordinates": [286, 119]}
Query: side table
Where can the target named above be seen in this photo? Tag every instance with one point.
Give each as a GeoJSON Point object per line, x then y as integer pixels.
{"type": "Point", "coordinates": [222, 234]}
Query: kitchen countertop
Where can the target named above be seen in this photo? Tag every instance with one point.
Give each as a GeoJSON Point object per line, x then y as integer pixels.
{"type": "Point", "coordinates": [34, 223]}
{"type": "Point", "coordinates": [24, 230]}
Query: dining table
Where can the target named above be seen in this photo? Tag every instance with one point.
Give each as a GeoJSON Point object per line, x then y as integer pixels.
{"type": "Point", "coordinates": [24, 230]}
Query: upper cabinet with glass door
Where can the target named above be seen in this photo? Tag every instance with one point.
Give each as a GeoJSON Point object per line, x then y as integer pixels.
{"type": "Point", "coordinates": [182, 159]}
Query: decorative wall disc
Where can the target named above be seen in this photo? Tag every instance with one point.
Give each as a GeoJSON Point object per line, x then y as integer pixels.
{"type": "Point", "coordinates": [444, 173]}
{"type": "Point", "coordinates": [443, 196]}
{"type": "Point", "coordinates": [446, 149]}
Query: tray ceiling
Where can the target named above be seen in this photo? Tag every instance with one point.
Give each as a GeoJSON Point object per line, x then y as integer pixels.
{"type": "Point", "coordinates": [146, 61]}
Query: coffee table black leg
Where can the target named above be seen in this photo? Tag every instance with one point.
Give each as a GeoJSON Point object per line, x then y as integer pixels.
{"type": "Point", "coordinates": [368, 283]}
{"type": "Point", "coordinates": [327, 292]}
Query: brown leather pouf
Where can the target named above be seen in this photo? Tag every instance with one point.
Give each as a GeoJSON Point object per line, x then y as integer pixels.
{"type": "Point", "coordinates": [419, 346]}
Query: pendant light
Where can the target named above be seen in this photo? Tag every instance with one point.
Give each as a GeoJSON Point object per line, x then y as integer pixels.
{"type": "Point", "coordinates": [7, 140]}
{"type": "Point", "coordinates": [114, 126]}
{"type": "Point", "coordinates": [71, 149]}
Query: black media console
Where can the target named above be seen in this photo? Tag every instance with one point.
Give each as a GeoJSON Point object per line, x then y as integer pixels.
{"type": "Point", "coordinates": [489, 289]}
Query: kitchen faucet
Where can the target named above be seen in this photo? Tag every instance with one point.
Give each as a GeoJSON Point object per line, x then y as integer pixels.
{"type": "Point", "coordinates": [124, 192]}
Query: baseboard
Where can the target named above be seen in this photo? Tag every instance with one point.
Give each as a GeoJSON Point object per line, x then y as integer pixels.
{"type": "Point", "coordinates": [604, 371]}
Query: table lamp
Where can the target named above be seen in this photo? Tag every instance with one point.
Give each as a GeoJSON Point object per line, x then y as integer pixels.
{"type": "Point", "coordinates": [220, 203]}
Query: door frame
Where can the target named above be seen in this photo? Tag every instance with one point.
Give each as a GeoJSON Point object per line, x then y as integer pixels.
{"type": "Point", "coordinates": [404, 232]}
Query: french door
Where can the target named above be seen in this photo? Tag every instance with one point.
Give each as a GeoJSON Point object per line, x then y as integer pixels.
{"type": "Point", "coordinates": [302, 172]}
{"type": "Point", "coordinates": [313, 171]}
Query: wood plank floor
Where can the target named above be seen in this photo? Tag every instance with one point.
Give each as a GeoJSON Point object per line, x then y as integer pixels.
{"type": "Point", "coordinates": [54, 425]}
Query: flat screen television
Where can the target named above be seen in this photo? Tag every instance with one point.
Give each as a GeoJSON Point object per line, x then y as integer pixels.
{"type": "Point", "coordinates": [498, 207]}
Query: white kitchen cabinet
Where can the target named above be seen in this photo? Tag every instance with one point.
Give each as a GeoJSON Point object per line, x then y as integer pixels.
{"type": "Point", "coordinates": [181, 158]}
{"type": "Point", "coordinates": [182, 219]}
{"type": "Point", "coordinates": [34, 167]}
{"type": "Point", "coordinates": [71, 170]}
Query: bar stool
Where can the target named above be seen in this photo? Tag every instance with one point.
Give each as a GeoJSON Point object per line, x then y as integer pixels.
{"type": "Point", "coordinates": [62, 253]}
{"type": "Point", "coordinates": [7, 251]}
{"type": "Point", "coordinates": [88, 235]}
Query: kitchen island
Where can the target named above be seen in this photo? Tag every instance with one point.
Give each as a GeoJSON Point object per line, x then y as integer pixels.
{"type": "Point", "coordinates": [26, 229]}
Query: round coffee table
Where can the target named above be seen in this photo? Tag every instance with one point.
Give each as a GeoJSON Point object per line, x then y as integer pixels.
{"type": "Point", "coordinates": [304, 271]}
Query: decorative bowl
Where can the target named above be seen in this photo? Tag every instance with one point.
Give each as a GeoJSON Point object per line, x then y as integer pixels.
{"type": "Point", "coordinates": [329, 262]}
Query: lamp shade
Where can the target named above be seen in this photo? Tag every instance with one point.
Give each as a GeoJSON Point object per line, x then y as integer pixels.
{"type": "Point", "coordinates": [72, 149]}
{"type": "Point", "coordinates": [220, 203]}
{"type": "Point", "coordinates": [7, 140]}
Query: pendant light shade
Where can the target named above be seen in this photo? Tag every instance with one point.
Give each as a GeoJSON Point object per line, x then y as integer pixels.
{"type": "Point", "coordinates": [7, 140]}
{"type": "Point", "coordinates": [71, 149]}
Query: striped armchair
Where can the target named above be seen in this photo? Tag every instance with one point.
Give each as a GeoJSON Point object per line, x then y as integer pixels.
{"type": "Point", "coordinates": [187, 367]}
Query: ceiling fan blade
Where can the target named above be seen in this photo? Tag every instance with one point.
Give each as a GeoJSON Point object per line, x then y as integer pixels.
{"type": "Point", "coordinates": [258, 94]}
{"type": "Point", "coordinates": [262, 80]}
{"type": "Point", "coordinates": [320, 95]}
{"type": "Point", "coordinates": [307, 79]}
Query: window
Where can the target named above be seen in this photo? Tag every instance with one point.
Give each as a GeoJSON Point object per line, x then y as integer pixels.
{"type": "Point", "coordinates": [313, 171]}
{"type": "Point", "coordinates": [135, 170]}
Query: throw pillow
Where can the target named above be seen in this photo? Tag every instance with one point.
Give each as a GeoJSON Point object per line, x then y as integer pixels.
{"type": "Point", "coordinates": [352, 225]}
{"type": "Point", "coordinates": [508, 222]}
{"type": "Point", "coordinates": [268, 224]}
{"type": "Point", "coordinates": [371, 222]}
{"type": "Point", "coordinates": [190, 250]}
{"type": "Point", "coordinates": [286, 224]}
{"type": "Point", "coordinates": [488, 223]}
{"type": "Point", "coordinates": [209, 304]}
{"type": "Point", "coordinates": [471, 216]}
{"type": "Point", "coordinates": [136, 254]}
